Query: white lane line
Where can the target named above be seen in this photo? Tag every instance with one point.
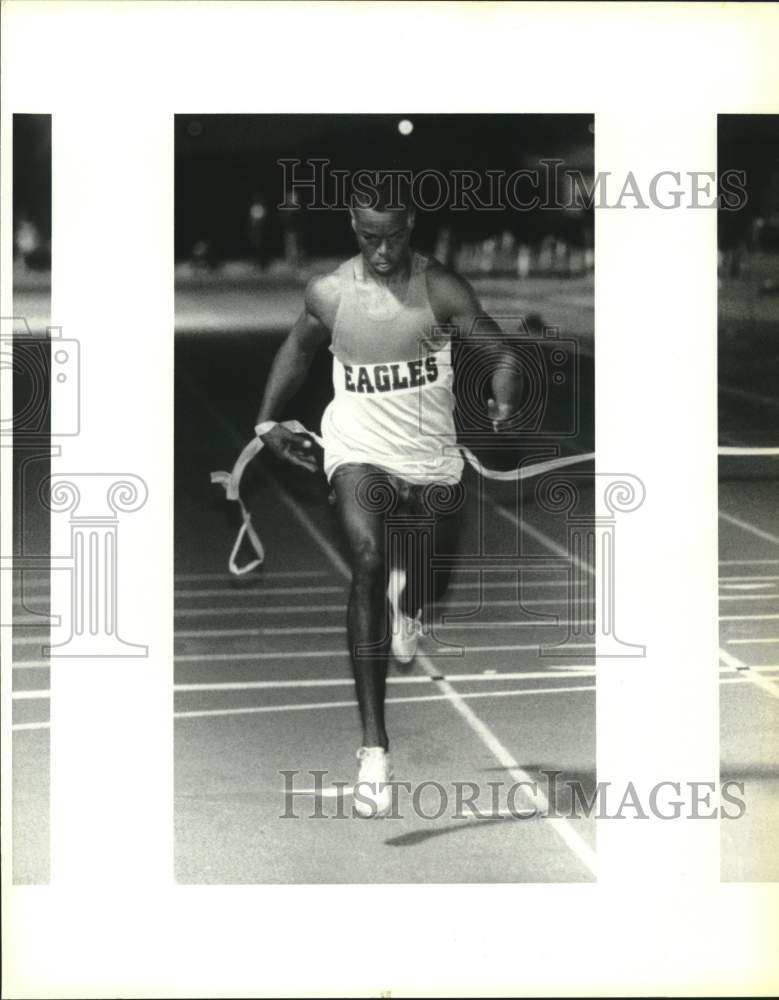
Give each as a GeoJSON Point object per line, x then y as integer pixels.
{"type": "Point", "coordinates": [182, 658]}
{"type": "Point", "coordinates": [746, 450]}
{"type": "Point", "coordinates": [316, 654]}
{"type": "Point", "coordinates": [406, 699]}
{"type": "Point", "coordinates": [768, 668]}
{"type": "Point", "coordinates": [268, 574]}
{"type": "Point", "coordinates": [749, 597]}
{"type": "Point", "coordinates": [342, 653]}
{"type": "Point", "coordinates": [324, 682]}
{"type": "Point", "coordinates": [513, 675]}
{"type": "Point", "coordinates": [769, 686]}
{"type": "Point", "coordinates": [299, 609]}
{"type": "Point", "coordinates": [767, 641]}
{"type": "Point", "coordinates": [749, 562]}
{"type": "Point", "coordinates": [37, 579]}
{"type": "Point", "coordinates": [748, 618]}
{"type": "Point", "coordinates": [43, 640]}
{"type": "Point", "coordinates": [29, 640]}
{"type": "Point", "coordinates": [741, 678]}
{"type": "Point", "coordinates": [750, 528]}
{"type": "Point", "coordinates": [757, 680]}
{"type": "Point", "coordinates": [259, 609]}
{"type": "Point", "coordinates": [249, 588]}
{"type": "Point", "coordinates": [226, 633]}
{"type": "Point", "coordinates": [258, 592]}
{"type": "Point", "coordinates": [20, 727]}
{"type": "Point", "coordinates": [727, 579]}
{"type": "Point", "coordinates": [258, 596]}
{"type": "Point", "coordinates": [229, 658]}
{"type": "Point", "coordinates": [253, 592]}
{"type": "Point", "coordinates": [562, 827]}
{"type": "Point", "coordinates": [505, 584]}
{"type": "Point", "coordinates": [293, 654]}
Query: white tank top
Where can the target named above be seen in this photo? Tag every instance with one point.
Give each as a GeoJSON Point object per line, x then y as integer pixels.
{"type": "Point", "coordinates": [392, 378]}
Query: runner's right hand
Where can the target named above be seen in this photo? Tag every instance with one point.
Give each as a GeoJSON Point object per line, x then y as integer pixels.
{"type": "Point", "coordinates": [297, 449]}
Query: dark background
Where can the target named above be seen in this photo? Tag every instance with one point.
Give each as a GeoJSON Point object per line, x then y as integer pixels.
{"type": "Point", "coordinates": [222, 161]}
{"type": "Point", "coordinates": [32, 184]}
{"type": "Point", "coordinates": [750, 143]}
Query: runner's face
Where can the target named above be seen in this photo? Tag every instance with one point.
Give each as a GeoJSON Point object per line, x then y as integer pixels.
{"type": "Point", "coordinates": [383, 238]}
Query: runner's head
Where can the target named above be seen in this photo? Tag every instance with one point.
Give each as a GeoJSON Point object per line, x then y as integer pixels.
{"type": "Point", "coordinates": [382, 220]}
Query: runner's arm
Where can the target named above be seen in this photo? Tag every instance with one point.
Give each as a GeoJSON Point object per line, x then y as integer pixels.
{"type": "Point", "coordinates": [288, 373]}
{"type": "Point", "coordinates": [453, 298]}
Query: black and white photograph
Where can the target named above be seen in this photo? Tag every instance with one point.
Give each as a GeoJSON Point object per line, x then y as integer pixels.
{"type": "Point", "coordinates": [26, 350]}
{"type": "Point", "coordinates": [748, 382]}
{"type": "Point", "coordinates": [390, 510]}
{"type": "Point", "coordinates": [402, 324]}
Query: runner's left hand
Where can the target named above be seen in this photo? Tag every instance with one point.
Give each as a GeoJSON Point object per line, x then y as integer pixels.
{"type": "Point", "coordinates": [499, 414]}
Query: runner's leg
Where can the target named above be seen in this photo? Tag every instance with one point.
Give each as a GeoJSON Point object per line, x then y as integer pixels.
{"type": "Point", "coordinates": [366, 620]}
{"type": "Point", "coordinates": [424, 594]}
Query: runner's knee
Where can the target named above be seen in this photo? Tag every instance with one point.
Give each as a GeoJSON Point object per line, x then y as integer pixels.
{"type": "Point", "coordinates": [368, 561]}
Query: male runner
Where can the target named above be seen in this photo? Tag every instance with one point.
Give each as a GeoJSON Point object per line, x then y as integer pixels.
{"type": "Point", "coordinates": [389, 438]}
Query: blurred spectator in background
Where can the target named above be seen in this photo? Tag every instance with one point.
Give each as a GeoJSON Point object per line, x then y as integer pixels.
{"type": "Point", "coordinates": [291, 217]}
{"type": "Point", "coordinates": [546, 254]}
{"type": "Point", "coordinates": [489, 251]}
{"type": "Point", "coordinates": [257, 230]}
{"type": "Point", "coordinates": [27, 238]}
{"type": "Point", "coordinates": [756, 234]}
{"type": "Point", "coordinates": [561, 257]}
{"type": "Point", "coordinates": [202, 256]}
{"type": "Point", "coordinates": [29, 246]}
{"type": "Point", "coordinates": [523, 261]}
{"type": "Point", "coordinates": [507, 250]}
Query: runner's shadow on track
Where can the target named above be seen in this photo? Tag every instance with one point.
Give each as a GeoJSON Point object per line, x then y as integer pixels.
{"type": "Point", "coordinates": [458, 826]}
{"type": "Point", "coordinates": [558, 784]}
{"type": "Point", "coordinates": [560, 804]}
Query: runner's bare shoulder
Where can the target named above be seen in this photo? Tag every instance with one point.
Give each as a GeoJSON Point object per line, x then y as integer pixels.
{"type": "Point", "coordinates": [449, 293]}
{"type": "Point", "coordinates": [323, 293]}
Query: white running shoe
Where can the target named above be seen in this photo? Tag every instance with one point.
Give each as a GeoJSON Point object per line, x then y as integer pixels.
{"type": "Point", "coordinates": [375, 774]}
{"type": "Point", "coordinates": [405, 630]}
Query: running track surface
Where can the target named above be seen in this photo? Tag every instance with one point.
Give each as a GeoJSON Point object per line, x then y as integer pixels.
{"type": "Point", "coordinates": [502, 713]}
{"type": "Point", "coordinates": [749, 558]}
